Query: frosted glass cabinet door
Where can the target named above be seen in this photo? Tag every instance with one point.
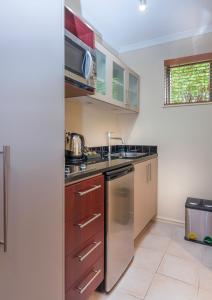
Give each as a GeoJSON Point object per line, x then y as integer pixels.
{"type": "Point", "coordinates": [133, 92]}
{"type": "Point", "coordinates": [118, 82]}
{"type": "Point", "coordinates": [101, 85]}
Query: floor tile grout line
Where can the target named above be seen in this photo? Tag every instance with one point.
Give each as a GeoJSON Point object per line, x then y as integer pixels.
{"type": "Point", "coordinates": [173, 237]}
{"type": "Point", "coordinates": [173, 278]}
{"type": "Point", "coordinates": [183, 258]}
{"type": "Point", "coordinates": [166, 253]}
{"type": "Point", "coordinates": [173, 240]}
{"type": "Point", "coordinates": [130, 294]}
{"type": "Point", "coordinates": [198, 289]}
{"type": "Point", "coordinates": [150, 285]}
{"type": "Point", "coordinates": [156, 271]}
{"type": "Point", "coordinates": [149, 248]}
{"type": "Point", "coordinates": [163, 257]}
{"type": "Point", "coordinates": [195, 260]}
{"type": "Point", "coordinates": [190, 260]}
{"type": "Point", "coordinates": [167, 276]}
{"type": "Point", "coordinates": [161, 236]}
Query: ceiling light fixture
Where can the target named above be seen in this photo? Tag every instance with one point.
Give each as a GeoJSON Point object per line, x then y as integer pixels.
{"type": "Point", "coordinates": [143, 5]}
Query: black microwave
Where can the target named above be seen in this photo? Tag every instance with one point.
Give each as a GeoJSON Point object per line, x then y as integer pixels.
{"type": "Point", "coordinates": [80, 63]}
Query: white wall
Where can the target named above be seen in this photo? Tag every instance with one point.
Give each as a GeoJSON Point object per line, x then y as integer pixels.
{"type": "Point", "coordinates": [90, 120]}
{"type": "Point", "coordinates": [183, 134]}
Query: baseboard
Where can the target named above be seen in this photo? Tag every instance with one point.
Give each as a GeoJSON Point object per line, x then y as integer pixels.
{"type": "Point", "coordinates": [168, 220]}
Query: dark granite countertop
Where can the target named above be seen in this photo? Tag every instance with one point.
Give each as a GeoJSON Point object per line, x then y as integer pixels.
{"type": "Point", "coordinates": [102, 167]}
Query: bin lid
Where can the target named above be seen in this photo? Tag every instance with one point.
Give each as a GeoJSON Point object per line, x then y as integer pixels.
{"type": "Point", "coordinates": [207, 204]}
{"type": "Point", "coordinates": [194, 203]}
{"type": "Point", "coordinates": [199, 204]}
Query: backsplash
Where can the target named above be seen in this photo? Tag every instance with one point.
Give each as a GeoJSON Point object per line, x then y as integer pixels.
{"type": "Point", "coordinates": [127, 148]}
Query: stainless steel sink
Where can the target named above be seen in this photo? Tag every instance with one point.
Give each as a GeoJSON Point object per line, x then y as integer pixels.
{"type": "Point", "coordinates": [132, 154]}
{"type": "Point", "coordinates": [129, 155]}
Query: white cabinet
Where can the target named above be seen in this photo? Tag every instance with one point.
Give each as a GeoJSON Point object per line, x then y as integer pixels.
{"type": "Point", "coordinates": [101, 82]}
{"type": "Point", "coordinates": [103, 70]}
{"type": "Point", "coordinates": [133, 90]}
{"type": "Point", "coordinates": [145, 194]}
{"type": "Point", "coordinates": [116, 84]}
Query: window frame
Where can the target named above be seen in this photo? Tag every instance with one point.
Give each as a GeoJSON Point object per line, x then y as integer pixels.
{"type": "Point", "coordinates": [183, 61]}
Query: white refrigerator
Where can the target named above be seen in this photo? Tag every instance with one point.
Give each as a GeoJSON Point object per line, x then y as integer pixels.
{"type": "Point", "coordinates": [32, 166]}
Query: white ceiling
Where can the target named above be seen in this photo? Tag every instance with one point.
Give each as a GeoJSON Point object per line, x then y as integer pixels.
{"type": "Point", "coordinates": [125, 28]}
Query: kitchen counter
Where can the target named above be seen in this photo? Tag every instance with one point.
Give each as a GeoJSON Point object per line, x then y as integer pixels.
{"type": "Point", "coordinates": [102, 167]}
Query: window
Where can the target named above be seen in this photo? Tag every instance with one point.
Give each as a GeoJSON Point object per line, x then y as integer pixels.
{"type": "Point", "coordinates": [189, 79]}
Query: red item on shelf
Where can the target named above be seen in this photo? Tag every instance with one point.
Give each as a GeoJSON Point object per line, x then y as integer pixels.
{"type": "Point", "coordinates": [79, 28]}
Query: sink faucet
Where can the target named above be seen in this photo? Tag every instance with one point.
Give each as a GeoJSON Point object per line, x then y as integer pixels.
{"type": "Point", "coordinates": [110, 137]}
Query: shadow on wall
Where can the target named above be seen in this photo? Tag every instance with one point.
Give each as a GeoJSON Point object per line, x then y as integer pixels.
{"type": "Point", "coordinates": [95, 121]}
{"type": "Point", "coordinates": [73, 116]}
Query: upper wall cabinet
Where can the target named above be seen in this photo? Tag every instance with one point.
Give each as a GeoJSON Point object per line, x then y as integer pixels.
{"type": "Point", "coordinates": [101, 85]}
{"type": "Point", "coordinates": [133, 91]}
{"type": "Point", "coordinates": [116, 84]}
{"type": "Point", "coordinates": [102, 73]}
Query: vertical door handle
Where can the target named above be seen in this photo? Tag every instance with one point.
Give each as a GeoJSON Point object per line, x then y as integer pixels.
{"type": "Point", "coordinates": [150, 172]}
{"type": "Point", "coordinates": [147, 173]}
{"type": "Point", "coordinates": [6, 159]}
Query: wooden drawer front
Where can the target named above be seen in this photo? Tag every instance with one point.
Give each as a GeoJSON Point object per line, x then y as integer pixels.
{"type": "Point", "coordinates": [75, 235]}
{"type": "Point", "coordinates": [84, 286]}
{"type": "Point", "coordinates": [81, 260]}
{"type": "Point", "coordinates": [84, 199]}
{"type": "Point", "coordinates": [84, 212]}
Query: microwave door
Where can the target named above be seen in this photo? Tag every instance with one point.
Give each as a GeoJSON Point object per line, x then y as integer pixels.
{"type": "Point", "coordinates": [74, 56]}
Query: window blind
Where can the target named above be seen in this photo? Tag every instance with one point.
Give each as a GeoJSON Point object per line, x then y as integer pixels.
{"type": "Point", "coordinates": [189, 79]}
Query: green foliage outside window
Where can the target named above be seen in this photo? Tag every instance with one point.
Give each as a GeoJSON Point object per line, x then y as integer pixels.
{"type": "Point", "coordinates": [190, 83]}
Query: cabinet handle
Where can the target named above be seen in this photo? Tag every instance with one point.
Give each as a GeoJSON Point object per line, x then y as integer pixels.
{"type": "Point", "coordinates": [83, 257]}
{"type": "Point", "coordinates": [147, 173]}
{"type": "Point", "coordinates": [94, 188]}
{"type": "Point", "coordinates": [150, 172]}
{"type": "Point", "coordinates": [6, 158]}
{"type": "Point", "coordinates": [82, 289]}
{"type": "Point", "coordinates": [128, 98]}
{"type": "Point", "coordinates": [95, 216]}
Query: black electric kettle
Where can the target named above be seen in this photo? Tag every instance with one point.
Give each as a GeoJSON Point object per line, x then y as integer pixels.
{"type": "Point", "coordinates": [75, 144]}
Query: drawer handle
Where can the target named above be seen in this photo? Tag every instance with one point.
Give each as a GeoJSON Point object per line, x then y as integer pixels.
{"type": "Point", "coordinates": [94, 188]}
{"type": "Point", "coordinates": [82, 289]}
{"type": "Point", "coordinates": [95, 216]}
{"type": "Point", "coordinates": [96, 245]}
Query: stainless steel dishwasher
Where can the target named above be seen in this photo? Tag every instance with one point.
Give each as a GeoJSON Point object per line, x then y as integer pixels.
{"type": "Point", "coordinates": [119, 223]}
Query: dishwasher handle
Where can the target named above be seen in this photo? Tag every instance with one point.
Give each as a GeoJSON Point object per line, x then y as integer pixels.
{"type": "Point", "coordinates": [111, 175]}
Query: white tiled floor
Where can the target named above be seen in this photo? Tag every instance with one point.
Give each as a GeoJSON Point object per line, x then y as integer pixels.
{"type": "Point", "coordinates": [165, 267]}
